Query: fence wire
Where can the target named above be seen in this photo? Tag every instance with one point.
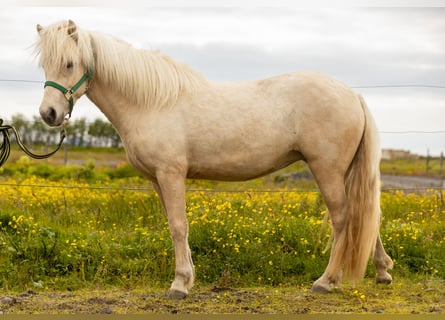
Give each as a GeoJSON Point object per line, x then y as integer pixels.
{"type": "Point", "coordinates": [151, 189]}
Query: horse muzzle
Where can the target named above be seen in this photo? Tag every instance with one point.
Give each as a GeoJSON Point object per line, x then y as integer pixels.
{"type": "Point", "coordinates": [51, 116]}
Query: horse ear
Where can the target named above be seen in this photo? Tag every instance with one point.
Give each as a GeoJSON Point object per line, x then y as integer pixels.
{"type": "Point", "coordinates": [72, 30]}
{"type": "Point", "coordinates": [39, 28]}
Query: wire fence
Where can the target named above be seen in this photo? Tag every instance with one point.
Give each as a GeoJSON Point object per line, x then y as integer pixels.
{"type": "Point", "coordinates": [398, 86]}
{"type": "Point", "coordinates": [438, 189]}
{"type": "Point", "coordinates": [383, 86]}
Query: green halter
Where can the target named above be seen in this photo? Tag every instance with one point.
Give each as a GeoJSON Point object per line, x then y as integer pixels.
{"type": "Point", "coordinates": [68, 93]}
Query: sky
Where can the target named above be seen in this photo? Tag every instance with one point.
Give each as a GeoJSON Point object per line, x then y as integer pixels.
{"type": "Point", "coordinates": [361, 46]}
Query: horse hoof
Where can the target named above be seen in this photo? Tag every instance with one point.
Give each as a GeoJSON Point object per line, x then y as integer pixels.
{"type": "Point", "coordinates": [320, 289]}
{"type": "Point", "coordinates": [176, 295]}
{"type": "Point", "coordinates": [384, 280]}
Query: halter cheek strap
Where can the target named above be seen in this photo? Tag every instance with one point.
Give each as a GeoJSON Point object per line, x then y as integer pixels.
{"type": "Point", "coordinates": [68, 93]}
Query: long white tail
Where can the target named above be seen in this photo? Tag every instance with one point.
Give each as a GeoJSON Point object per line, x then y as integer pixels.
{"type": "Point", "coordinates": [356, 243]}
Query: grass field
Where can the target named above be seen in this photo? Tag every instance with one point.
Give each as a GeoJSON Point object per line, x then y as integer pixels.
{"type": "Point", "coordinates": [87, 228]}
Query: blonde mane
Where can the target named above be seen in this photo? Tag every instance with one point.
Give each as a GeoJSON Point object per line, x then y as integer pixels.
{"type": "Point", "coordinates": [146, 78]}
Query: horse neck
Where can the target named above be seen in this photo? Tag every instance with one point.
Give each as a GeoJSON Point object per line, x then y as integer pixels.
{"type": "Point", "coordinates": [111, 103]}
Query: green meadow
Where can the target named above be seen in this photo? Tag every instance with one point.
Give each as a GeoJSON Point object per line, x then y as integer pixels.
{"type": "Point", "coordinates": [92, 225]}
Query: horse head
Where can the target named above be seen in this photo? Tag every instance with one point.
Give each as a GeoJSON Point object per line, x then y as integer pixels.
{"type": "Point", "coordinates": [67, 69]}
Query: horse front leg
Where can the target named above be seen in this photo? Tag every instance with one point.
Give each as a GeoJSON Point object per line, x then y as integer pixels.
{"type": "Point", "coordinates": [171, 190]}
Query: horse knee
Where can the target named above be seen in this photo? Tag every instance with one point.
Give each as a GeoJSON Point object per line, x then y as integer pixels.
{"type": "Point", "coordinates": [178, 229]}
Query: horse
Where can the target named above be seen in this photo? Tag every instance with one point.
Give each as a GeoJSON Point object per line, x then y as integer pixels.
{"type": "Point", "coordinates": [175, 124]}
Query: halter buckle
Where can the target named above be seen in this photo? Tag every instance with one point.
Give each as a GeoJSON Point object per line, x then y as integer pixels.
{"type": "Point", "coordinates": [69, 95]}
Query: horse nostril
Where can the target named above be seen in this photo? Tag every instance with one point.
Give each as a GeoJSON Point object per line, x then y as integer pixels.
{"type": "Point", "coordinates": [51, 114]}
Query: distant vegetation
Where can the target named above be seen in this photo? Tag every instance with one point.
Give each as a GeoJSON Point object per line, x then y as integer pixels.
{"type": "Point", "coordinates": [422, 166]}
{"type": "Point", "coordinates": [81, 133]}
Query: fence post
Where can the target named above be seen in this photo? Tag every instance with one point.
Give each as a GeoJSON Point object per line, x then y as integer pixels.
{"type": "Point", "coordinates": [65, 154]}
{"type": "Point", "coordinates": [427, 161]}
{"type": "Point", "coordinates": [441, 165]}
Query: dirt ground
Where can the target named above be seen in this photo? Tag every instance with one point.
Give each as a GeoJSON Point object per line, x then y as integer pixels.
{"type": "Point", "coordinates": [406, 297]}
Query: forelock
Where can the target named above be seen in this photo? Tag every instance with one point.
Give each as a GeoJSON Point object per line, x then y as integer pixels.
{"type": "Point", "coordinates": [55, 47]}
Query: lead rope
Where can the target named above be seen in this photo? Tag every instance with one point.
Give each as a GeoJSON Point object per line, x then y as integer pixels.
{"type": "Point", "coordinates": [5, 147]}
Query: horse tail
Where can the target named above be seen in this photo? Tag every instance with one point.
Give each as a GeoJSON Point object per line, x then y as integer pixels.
{"type": "Point", "coordinates": [362, 210]}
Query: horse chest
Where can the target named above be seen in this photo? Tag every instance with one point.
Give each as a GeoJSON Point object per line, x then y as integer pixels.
{"type": "Point", "coordinates": [150, 153]}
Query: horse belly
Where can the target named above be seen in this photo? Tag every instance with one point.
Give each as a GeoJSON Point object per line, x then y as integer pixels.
{"type": "Point", "coordinates": [240, 166]}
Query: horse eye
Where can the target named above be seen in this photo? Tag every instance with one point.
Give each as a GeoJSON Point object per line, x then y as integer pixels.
{"type": "Point", "coordinates": [69, 65]}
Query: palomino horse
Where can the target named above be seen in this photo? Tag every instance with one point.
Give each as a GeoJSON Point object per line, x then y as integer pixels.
{"type": "Point", "coordinates": [175, 124]}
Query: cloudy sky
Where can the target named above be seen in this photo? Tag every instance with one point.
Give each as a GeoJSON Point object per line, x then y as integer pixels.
{"type": "Point", "coordinates": [361, 46]}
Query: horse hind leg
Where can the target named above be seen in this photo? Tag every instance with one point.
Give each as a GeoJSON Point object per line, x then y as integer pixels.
{"type": "Point", "coordinates": [353, 239]}
{"type": "Point", "coordinates": [382, 263]}
{"type": "Point", "coordinates": [333, 193]}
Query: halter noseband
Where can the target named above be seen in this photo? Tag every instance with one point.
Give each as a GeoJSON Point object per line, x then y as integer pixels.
{"type": "Point", "coordinates": [68, 93]}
